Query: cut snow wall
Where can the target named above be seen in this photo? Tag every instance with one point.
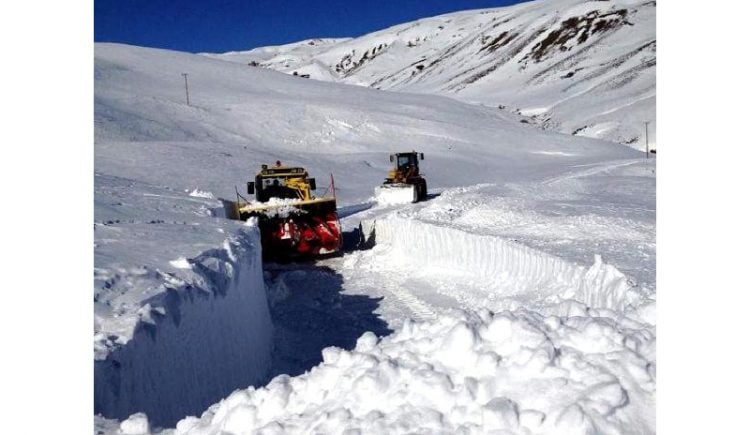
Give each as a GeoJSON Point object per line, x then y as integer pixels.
{"type": "Point", "coordinates": [510, 268]}
{"type": "Point", "coordinates": [198, 344]}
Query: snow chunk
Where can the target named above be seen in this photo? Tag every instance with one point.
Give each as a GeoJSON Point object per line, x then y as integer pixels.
{"type": "Point", "coordinates": [278, 207]}
{"type": "Point", "coordinates": [181, 263]}
{"type": "Point", "coordinates": [201, 194]}
{"type": "Point", "coordinates": [136, 424]}
{"type": "Point", "coordinates": [252, 221]}
{"type": "Point", "coordinates": [500, 413]}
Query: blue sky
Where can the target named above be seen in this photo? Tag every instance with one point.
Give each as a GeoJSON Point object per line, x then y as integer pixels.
{"type": "Point", "coordinates": [224, 25]}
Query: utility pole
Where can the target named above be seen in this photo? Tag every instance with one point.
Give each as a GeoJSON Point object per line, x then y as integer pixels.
{"type": "Point", "coordinates": [187, 94]}
{"type": "Point", "coordinates": [647, 122]}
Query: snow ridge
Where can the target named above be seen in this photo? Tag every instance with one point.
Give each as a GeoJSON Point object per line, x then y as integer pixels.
{"type": "Point", "coordinates": [195, 342]}
{"type": "Point", "coordinates": [506, 269]}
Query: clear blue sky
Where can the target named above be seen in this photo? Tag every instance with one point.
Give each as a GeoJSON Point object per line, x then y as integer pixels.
{"type": "Point", "coordinates": [224, 25]}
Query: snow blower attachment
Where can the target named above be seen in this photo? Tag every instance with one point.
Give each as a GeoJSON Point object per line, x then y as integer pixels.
{"type": "Point", "coordinates": [404, 183]}
{"type": "Point", "coordinates": [293, 223]}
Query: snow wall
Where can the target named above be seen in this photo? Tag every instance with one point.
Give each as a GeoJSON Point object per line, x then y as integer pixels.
{"type": "Point", "coordinates": [509, 268]}
{"type": "Point", "coordinates": [195, 344]}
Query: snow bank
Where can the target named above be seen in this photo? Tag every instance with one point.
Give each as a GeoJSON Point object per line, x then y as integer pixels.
{"type": "Point", "coordinates": [195, 342]}
{"type": "Point", "coordinates": [462, 373]}
{"type": "Point", "coordinates": [504, 268]}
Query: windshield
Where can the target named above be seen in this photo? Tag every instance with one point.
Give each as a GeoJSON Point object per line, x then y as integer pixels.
{"type": "Point", "coordinates": [275, 187]}
{"type": "Point", "coordinates": [403, 161]}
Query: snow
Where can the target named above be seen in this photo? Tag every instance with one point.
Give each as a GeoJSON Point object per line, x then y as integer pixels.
{"type": "Point", "coordinates": [462, 373]}
{"type": "Point", "coordinates": [193, 340]}
{"type": "Point", "coordinates": [566, 65]}
{"type": "Point", "coordinates": [136, 424]}
{"type": "Point", "coordinates": [503, 267]}
{"type": "Point", "coordinates": [201, 194]}
{"type": "Point", "coordinates": [518, 297]}
{"type": "Point", "coordinates": [181, 263]}
{"type": "Point", "coordinates": [278, 207]}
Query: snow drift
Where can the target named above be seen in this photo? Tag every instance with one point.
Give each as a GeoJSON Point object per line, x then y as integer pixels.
{"type": "Point", "coordinates": [508, 271]}
{"type": "Point", "coordinates": [194, 342]}
{"type": "Point", "coordinates": [464, 373]}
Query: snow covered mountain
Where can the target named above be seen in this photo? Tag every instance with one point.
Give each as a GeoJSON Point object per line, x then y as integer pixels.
{"type": "Point", "coordinates": [582, 67]}
{"type": "Point", "coordinates": [520, 297]}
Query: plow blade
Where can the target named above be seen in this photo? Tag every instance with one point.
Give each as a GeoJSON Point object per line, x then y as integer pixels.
{"type": "Point", "coordinates": [389, 194]}
{"type": "Point", "coordinates": [295, 229]}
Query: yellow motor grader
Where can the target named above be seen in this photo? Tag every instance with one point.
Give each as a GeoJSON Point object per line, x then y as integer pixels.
{"type": "Point", "coordinates": [293, 223]}
{"type": "Point", "coordinates": [404, 183]}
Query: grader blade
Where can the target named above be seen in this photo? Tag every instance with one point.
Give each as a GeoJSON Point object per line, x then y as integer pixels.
{"type": "Point", "coordinates": [391, 194]}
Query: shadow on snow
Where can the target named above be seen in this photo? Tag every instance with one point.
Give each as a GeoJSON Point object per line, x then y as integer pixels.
{"type": "Point", "coordinates": [310, 312]}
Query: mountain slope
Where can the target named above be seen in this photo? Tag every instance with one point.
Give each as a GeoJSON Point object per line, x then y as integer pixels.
{"type": "Point", "coordinates": [579, 67]}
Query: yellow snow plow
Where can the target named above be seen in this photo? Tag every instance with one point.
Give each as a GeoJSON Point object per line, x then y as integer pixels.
{"type": "Point", "coordinates": [293, 223]}
{"type": "Point", "coordinates": [404, 183]}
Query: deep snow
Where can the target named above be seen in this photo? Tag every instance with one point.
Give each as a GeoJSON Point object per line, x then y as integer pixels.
{"type": "Point", "coordinates": [580, 67]}
{"type": "Point", "coordinates": [181, 317]}
{"type": "Point", "coordinates": [515, 219]}
{"type": "Point", "coordinates": [520, 372]}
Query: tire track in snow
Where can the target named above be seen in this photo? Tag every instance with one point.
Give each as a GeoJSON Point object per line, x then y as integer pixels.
{"type": "Point", "coordinates": [364, 280]}
{"type": "Point", "coordinates": [419, 309]}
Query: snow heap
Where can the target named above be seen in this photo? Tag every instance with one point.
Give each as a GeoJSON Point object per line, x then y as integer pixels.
{"type": "Point", "coordinates": [278, 207]}
{"type": "Point", "coordinates": [464, 373]}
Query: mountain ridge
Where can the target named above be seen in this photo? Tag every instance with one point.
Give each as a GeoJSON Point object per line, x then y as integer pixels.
{"type": "Point", "coordinates": [580, 67]}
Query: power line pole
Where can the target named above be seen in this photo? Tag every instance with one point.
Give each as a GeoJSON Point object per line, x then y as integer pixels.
{"type": "Point", "coordinates": [187, 94]}
{"type": "Point", "coordinates": [647, 122]}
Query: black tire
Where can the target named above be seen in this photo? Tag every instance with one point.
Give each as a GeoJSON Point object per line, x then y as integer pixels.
{"type": "Point", "coordinates": [422, 190]}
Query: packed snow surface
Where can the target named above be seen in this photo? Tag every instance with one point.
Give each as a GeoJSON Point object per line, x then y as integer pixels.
{"type": "Point", "coordinates": [519, 296]}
